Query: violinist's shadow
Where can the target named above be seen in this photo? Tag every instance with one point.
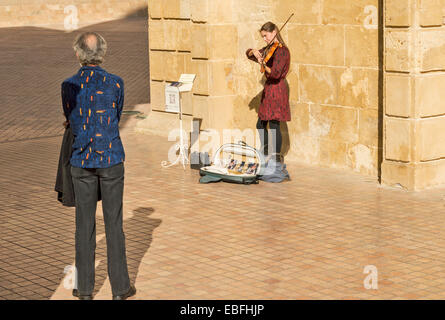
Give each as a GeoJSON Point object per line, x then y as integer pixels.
{"type": "Point", "coordinates": [285, 129]}
{"type": "Point", "coordinates": [138, 237]}
{"type": "Point", "coordinates": [256, 101]}
{"type": "Point", "coordinates": [255, 104]}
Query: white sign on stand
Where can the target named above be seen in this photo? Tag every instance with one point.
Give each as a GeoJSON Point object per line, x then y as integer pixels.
{"type": "Point", "coordinates": [173, 92]}
{"type": "Point", "coordinates": [172, 98]}
{"type": "Point", "coordinates": [173, 104]}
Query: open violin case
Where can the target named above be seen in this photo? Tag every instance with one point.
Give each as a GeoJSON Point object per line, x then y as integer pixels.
{"type": "Point", "coordinates": [234, 162]}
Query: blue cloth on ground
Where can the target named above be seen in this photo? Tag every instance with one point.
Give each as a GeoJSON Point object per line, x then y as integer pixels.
{"type": "Point", "coordinates": [274, 172]}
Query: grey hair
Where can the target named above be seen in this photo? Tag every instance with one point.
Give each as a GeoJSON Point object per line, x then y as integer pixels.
{"type": "Point", "coordinates": [90, 52]}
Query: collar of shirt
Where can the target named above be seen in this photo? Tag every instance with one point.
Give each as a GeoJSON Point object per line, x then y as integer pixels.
{"type": "Point", "coordinates": [91, 68]}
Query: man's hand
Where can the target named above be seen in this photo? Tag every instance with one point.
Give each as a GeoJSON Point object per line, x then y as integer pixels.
{"type": "Point", "coordinates": [66, 123]}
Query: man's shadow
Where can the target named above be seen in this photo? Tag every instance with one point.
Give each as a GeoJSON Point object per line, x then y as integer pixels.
{"type": "Point", "coordinates": [138, 237]}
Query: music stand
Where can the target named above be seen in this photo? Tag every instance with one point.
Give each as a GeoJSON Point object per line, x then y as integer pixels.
{"type": "Point", "coordinates": [173, 95]}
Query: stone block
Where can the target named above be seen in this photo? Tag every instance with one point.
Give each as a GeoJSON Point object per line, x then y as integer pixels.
{"type": "Point", "coordinates": [349, 12]}
{"type": "Point", "coordinates": [317, 44]}
{"type": "Point", "coordinates": [199, 10]}
{"type": "Point", "coordinates": [431, 13]}
{"type": "Point", "coordinates": [429, 174]}
{"type": "Point", "coordinates": [433, 49]}
{"type": "Point", "coordinates": [431, 136]}
{"type": "Point", "coordinates": [305, 11]}
{"type": "Point", "coordinates": [362, 47]}
{"type": "Point", "coordinates": [155, 8]}
{"type": "Point", "coordinates": [398, 174]}
{"type": "Point", "coordinates": [334, 123]}
{"type": "Point", "coordinates": [172, 9]}
{"type": "Point", "coordinates": [430, 95]}
{"type": "Point", "coordinates": [303, 149]}
{"type": "Point", "coordinates": [397, 50]}
{"type": "Point", "coordinates": [156, 34]}
{"type": "Point", "coordinates": [359, 88]}
{"type": "Point", "coordinates": [201, 109]}
{"type": "Point", "coordinates": [223, 41]}
{"type": "Point", "coordinates": [185, 9]}
{"type": "Point", "coordinates": [258, 11]}
{"type": "Point", "coordinates": [157, 61]}
{"type": "Point", "coordinates": [174, 65]}
{"type": "Point", "coordinates": [188, 62]}
{"type": "Point", "coordinates": [184, 35]}
{"type": "Point", "coordinates": [221, 78]}
{"type": "Point", "coordinates": [333, 154]}
{"type": "Point", "coordinates": [187, 103]}
{"type": "Point", "coordinates": [363, 159]}
{"type": "Point", "coordinates": [199, 39]}
{"type": "Point", "coordinates": [368, 124]}
{"type": "Point", "coordinates": [398, 139]}
{"type": "Point", "coordinates": [170, 35]}
{"type": "Point", "coordinates": [398, 95]}
{"type": "Point", "coordinates": [221, 112]}
{"type": "Point", "coordinates": [300, 119]}
{"type": "Point", "coordinates": [398, 13]}
{"type": "Point", "coordinates": [201, 69]}
{"type": "Point", "coordinates": [245, 112]}
{"type": "Point", "coordinates": [170, 30]}
{"type": "Point", "coordinates": [319, 84]}
{"type": "Point", "coordinates": [157, 94]}
{"type": "Point", "coordinates": [221, 11]}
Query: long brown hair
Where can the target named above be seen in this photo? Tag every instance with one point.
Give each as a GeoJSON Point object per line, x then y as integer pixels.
{"type": "Point", "coordinates": [271, 27]}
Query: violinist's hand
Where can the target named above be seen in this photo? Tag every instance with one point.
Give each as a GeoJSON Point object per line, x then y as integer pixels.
{"type": "Point", "coordinates": [257, 55]}
{"type": "Point", "coordinates": [266, 68]}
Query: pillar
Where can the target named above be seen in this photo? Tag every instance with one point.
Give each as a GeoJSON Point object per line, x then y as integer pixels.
{"type": "Point", "coordinates": [414, 94]}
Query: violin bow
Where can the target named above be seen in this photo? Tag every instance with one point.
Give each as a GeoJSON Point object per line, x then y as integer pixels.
{"type": "Point", "coordinates": [271, 43]}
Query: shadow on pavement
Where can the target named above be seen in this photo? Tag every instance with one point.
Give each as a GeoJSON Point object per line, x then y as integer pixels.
{"type": "Point", "coordinates": [138, 237]}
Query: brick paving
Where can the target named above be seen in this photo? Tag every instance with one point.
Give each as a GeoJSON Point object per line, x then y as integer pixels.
{"type": "Point", "coordinates": [309, 238]}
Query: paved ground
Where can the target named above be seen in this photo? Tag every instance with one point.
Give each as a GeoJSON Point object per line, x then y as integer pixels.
{"type": "Point", "coordinates": [35, 61]}
{"type": "Point", "coordinates": [310, 238]}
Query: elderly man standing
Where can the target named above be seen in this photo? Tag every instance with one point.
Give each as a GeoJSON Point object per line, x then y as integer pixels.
{"type": "Point", "coordinates": [93, 100]}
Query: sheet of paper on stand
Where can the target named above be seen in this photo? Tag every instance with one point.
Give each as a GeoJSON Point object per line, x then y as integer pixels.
{"type": "Point", "coordinates": [186, 81]}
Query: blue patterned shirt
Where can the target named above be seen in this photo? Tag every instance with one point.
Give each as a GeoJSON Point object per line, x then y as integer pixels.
{"type": "Point", "coordinates": [93, 100]}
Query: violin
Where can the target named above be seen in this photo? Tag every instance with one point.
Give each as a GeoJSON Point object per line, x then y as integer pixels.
{"type": "Point", "coordinates": [269, 53]}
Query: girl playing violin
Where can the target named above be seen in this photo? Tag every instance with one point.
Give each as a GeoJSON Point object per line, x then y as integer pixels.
{"type": "Point", "coordinates": [274, 108]}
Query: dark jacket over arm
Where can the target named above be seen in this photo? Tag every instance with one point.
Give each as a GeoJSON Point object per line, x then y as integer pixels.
{"type": "Point", "coordinates": [64, 184]}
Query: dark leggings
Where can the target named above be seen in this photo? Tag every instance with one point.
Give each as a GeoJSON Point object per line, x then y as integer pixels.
{"type": "Point", "coordinates": [274, 126]}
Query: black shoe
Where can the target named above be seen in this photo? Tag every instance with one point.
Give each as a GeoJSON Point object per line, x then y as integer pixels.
{"type": "Point", "coordinates": [86, 297]}
{"type": "Point", "coordinates": [131, 292]}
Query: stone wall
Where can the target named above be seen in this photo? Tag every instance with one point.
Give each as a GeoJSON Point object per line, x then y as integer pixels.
{"type": "Point", "coordinates": [333, 80]}
{"type": "Point", "coordinates": [15, 13]}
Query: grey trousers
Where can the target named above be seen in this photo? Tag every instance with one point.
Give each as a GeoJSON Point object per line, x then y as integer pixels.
{"type": "Point", "coordinates": [86, 182]}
